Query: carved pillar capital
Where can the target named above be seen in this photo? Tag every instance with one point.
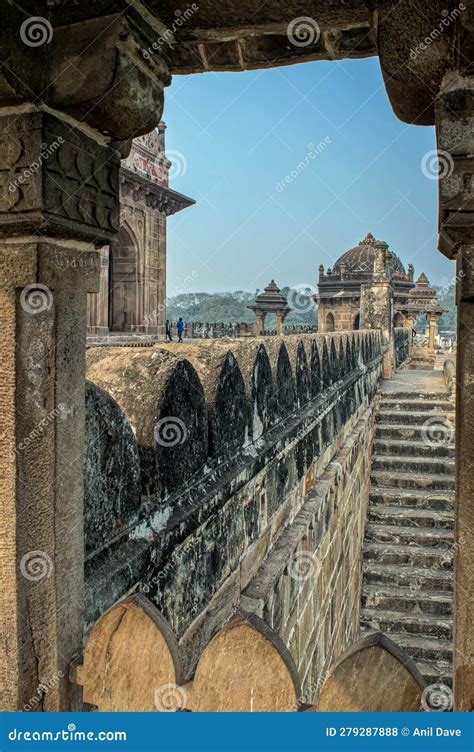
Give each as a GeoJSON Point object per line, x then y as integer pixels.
{"type": "Point", "coordinates": [56, 180]}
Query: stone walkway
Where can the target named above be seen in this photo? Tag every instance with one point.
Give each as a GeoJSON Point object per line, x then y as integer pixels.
{"type": "Point", "coordinates": [408, 546]}
{"type": "Point", "coordinates": [416, 382]}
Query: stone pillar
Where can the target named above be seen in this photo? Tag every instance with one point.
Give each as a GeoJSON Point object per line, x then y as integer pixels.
{"type": "Point", "coordinates": [52, 207]}
{"type": "Point", "coordinates": [280, 317]}
{"type": "Point", "coordinates": [432, 332]}
{"type": "Point", "coordinates": [455, 136]}
{"type": "Point", "coordinates": [260, 323]}
{"type": "Point", "coordinates": [58, 202]}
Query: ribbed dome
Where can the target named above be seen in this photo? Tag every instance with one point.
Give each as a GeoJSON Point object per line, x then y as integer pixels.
{"type": "Point", "coordinates": [361, 258]}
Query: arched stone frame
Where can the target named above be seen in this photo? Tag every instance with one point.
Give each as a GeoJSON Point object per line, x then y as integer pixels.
{"type": "Point", "coordinates": [330, 322]}
{"type": "Point", "coordinates": [356, 321]}
{"type": "Point", "coordinates": [398, 319]}
{"type": "Point", "coordinates": [125, 289]}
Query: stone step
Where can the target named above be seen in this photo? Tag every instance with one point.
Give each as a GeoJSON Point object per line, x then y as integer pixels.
{"type": "Point", "coordinates": [411, 433]}
{"type": "Point", "coordinates": [433, 657]}
{"type": "Point", "coordinates": [418, 465]}
{"type": "Point", "coordinates": [394, 622]}
{"type": "Point", "coordinates": [426, 649]}
{"type": "Point", "coordinates": [418, 405]}
{"type": "Point", "coordinates": [439, 558]}
{"type": "Point", "coordinates": [413, 498]}
{"type": "Point", "coordinates": [412, 480]}
{"type": "Point", "coordinates": [406, 599]}
{"type": "Point", "coordinates": [407, 446]}
{"type": "Point", "coordinates": [410, 417]}
{"type": "Point", "coordinates": [424, 537]}
{"type": "Point", "coordinates": [403, 517]}
{"type": "Point", "coordinates": [434, 578]}
{"type": "Point", "coordinates": [436, 672]}
{"type": "Point", "coordinates": [421, 396]}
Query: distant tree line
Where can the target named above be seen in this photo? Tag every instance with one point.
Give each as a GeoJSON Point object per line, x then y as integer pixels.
{"type": "Point", "coordinates": [231, 307]}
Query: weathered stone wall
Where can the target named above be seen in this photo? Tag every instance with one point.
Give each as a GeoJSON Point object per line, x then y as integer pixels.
{"type": "Point", "coordinates": [239, 483]}
{"type": "Point", "coordinates": [401, 345]}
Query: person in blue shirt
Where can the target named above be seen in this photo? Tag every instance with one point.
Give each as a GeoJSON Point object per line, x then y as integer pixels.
{"type": "Point", "coordinates": [180, 329]}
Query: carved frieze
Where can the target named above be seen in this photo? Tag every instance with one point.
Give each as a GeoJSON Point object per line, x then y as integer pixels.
{"type": "Point", "coordinates": [56, 180]}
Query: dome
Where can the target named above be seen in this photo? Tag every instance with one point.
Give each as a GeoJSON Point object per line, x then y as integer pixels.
{"type": "Point", "coordinates": [361, 258]}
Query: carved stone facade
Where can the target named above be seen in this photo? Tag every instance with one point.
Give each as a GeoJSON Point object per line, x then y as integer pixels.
{"type": "Point", "coordinates": [102, 73]}
{"type": "Point", "coordinates": [133, 268]}
{"type": "Point", "coordinates": [341, 289]}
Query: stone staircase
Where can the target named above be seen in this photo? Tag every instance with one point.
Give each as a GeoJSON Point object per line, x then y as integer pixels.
{"type": "Point", "coordinates": [408, 546]}
{"type": "Point", "coordinates": [422, 359]}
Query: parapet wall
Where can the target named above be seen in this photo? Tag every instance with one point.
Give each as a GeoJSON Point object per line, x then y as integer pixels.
{"type": "Point", "coordinates": [232, 476]}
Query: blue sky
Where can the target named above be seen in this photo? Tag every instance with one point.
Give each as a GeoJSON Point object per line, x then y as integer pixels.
{"type": "Point", "coordinates": [234, 137]}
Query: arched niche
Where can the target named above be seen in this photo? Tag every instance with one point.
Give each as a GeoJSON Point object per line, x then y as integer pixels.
{"type": "Point", "coordinates": [125, 283]}
{"type": "Point", "coordinates": [330, 323]}
{"type": "Point", "coordinates": [131, 661]}
{"type": "Point", "coordinates": [245, 668]}
{"type": "Point", "coordinates": [373, 675]}
{"type": "Point", "coordinates": [356, 322]}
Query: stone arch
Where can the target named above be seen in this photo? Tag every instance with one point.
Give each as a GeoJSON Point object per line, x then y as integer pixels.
{"type": "Point", "coordinates": [285, 387]}
{"type": "Point", "coordinates": [112, 493]}
{"type": "Point", "coordinates": [356, 322]}
{"type": "Point", "coordinates": [163, 399]}
{"type": "Point", "coordinates": [302, 375]}
{"type": "Point", "coordinates": [334, 361]}
{"type": "Point", "coordinates": [326, 365]}
{"type": "Point", "coordinates": [131, 660]}
{"type": "Point", "coordinates": [245, 667]}
{"type": "Point", "coordinates": [263, 392]}
{"type": "Point", "coordinates": [315, 366]}
{"type": "Point", "coordinates": [373, 675]}
{"type": "Point", "coordinates": [344, 366]}
{"type": "Point", "coordinates": [224, 389]}
{"type": "Point", "coordinates": [125, 291]}
{"type": "Point", "coordinates": [330, 325]}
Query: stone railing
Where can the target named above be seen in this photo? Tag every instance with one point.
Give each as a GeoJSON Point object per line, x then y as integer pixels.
{"type": "Point", "coordinates": [215, 330]}
{"type": "Point", "coordinates": [402, 345]}
{"type": "Point", "coordinates": [220, 330]}
{"type": "Point", "coordinates": [218, 476]}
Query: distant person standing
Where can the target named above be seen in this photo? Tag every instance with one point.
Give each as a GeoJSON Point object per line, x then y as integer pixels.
{"type": "Point", "coordinates": [180, 329]}
{"type": "Point", "coordinates": [168, 331]}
